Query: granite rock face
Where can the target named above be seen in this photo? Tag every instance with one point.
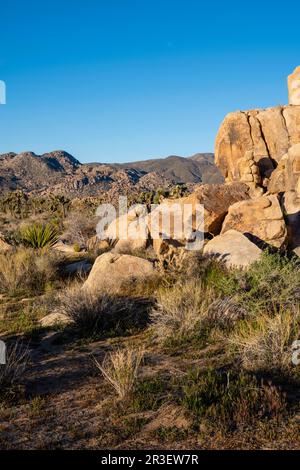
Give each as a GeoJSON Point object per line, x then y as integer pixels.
{"type": "Point", "coordinates": [261, 219]}
{"type": "Point", "coordinates": [264, 134]}
{"type": "Point", "coordinates": [111, 271]}
{"type": "Point", "coordinates": [234, 249]}
{"type": "Point", "coordinates": [294, 87]}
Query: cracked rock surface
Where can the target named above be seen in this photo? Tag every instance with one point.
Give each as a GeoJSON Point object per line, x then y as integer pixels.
{"type": "Point", "coordinates": [265, 133]}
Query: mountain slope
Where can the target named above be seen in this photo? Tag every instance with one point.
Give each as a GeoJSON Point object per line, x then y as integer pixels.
{"type": "Point", "coordinates": [59, 172]}
{"type": "Point", "coordinates": [199, 168]}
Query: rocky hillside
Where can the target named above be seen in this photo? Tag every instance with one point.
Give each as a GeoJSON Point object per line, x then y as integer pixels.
{"type": "Point", "coordinates": [196, 169]}
{"type": "Point", "coordinates": [60, 172]}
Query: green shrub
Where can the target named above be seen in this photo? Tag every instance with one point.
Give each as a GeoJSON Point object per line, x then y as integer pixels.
{"type": "Point", "coordinates": [148, 394]}
{"type": "Point", "coordinates": [76, 247]}
{"type": "Point", "coordinates": [267, 285]}
{"type": "Point", "coordinates": [230, 399]}
{"type": "Point", "coordinates": [39, 236]}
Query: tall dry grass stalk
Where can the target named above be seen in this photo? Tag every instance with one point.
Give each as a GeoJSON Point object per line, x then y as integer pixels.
{"type": "Point", "coordinates": [120, 369]}
{"type": "Point", "coordinates": [180, 309]}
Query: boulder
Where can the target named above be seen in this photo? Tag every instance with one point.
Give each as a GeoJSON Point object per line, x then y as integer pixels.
{"type": "Point", "coordinates": [112, 270]}
{"type": "Point", "coordinates": [286, 177]}
{"type": "Point", "coordinates": [130, 231]}
{"type": "Point", "coordinates": [265, 134]}
{"type": "Point", "coordinates": [261, 219]}
{"type": "Point", "coordinates": [294, 87]}
{"type": "Point", "coordinates": [64, 248]}
{"type": "Point", "coordinates": [297, 251]}
{"type": "Point", "coordinates": [234, 249]}
{"type": "Point", "coordinates": [130, 245]}
{"type": "Point", "coordinates": [215, 199]}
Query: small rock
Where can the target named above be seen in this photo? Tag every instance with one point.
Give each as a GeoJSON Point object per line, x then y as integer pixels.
{"type": "Point", "coordinates": [54, 319]}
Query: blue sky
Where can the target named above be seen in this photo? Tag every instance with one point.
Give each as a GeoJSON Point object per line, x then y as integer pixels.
{"type": "Point", "coordinates": [123, 80]}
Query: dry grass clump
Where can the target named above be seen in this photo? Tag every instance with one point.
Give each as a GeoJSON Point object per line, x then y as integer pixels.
{"type": "Point", "coordinates": [120, 369]}
{"type": "Point", "coordinates": [25, 271]}
{"type": "Point", "coordinates": [180, 309]}
{"type": "Point", "coordinates": [103, 314]}
{"type": "Point", "coordinates": [225, 312]}
{"type": "Point", "coordinates": [17, 357]}
{"type": "Point", "coordinates": [265, 343]}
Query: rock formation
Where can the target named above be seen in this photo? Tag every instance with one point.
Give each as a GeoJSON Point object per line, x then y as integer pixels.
{"type": "Point", "coordinates": [265, 134]}
{"type": "Point", "coordinates": [286, 177]}
{"type": "Point", "coordinates": [111, 271]}
{"type": "Point", "coordinates": [261, 148]}
{"type": "Point", "coordinates": [261, 219]}
{"type": "Point", "coordinates": [234, 249]}
{"type": "Point", "coordinates": [294, 87]}
{"type": "Point", "coordinates": [216, 199]}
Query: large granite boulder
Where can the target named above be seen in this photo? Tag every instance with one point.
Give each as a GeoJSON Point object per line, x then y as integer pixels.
{"type": "Point", "coordinates": [234, 249]}
{"type": "Point", "coordinates": [261, 219]}
{"type": "Point", "coordinates": [264, 134]}
{"type": "Point", "coordinates": [111, 271]}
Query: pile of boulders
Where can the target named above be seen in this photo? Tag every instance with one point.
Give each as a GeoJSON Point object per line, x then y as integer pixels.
{"type": "Point", "coordinates": [258, 207]}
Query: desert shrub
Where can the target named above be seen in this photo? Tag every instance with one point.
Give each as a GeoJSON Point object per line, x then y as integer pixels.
{"type": "Point", "coordinates": [210, 271]}
{"type": "Point", "coordinates": [39, 236]}
{"type": "Point", "coordinates": [230, 399]}
{"type": "Point", "coordinates": [272, 282]}
{"type": "Point", "coordinates": [264, 343]}
{"type": "Point", "coordinates": [11, 372]}
{"type": "Point", "coordinates": [76, 247]}
{"type": "Point", "coordinates": [79, 227]}
{"type": "Point", "coordinates": [181, 311]}
{"type": "Point", "coordinates": [148, 394]}
{"type": "Point", "coordinates": [225, 312]}
{"type": "Point", "coordinates": [107, 315]}
{"type": "Point", "coordinates": [268, 284]}
{"type": "Point", "coordinates": [120, 369]}
{"type": "Point", "coordinates": [26, 272]}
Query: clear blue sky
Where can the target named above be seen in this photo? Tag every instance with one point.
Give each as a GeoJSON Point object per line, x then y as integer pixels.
{"type": "Point", "coordinates": [120, 80]}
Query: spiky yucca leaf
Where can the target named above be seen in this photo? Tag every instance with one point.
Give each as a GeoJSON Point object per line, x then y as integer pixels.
{"type": "Point", "coordinates": [40, 236]}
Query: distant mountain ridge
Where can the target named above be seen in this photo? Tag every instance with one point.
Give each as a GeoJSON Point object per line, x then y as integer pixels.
{"type": "Point", "coordinates": [60, 172]}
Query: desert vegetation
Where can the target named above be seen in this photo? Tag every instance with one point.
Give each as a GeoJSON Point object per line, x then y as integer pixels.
{"type": "Point", "coordinates": [202, 359]}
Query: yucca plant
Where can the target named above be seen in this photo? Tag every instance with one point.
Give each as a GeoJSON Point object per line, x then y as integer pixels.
{"type": "Point", "coordinates": [39, 236]}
